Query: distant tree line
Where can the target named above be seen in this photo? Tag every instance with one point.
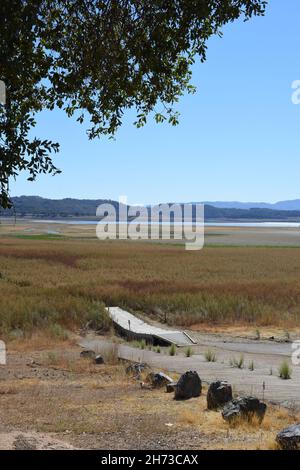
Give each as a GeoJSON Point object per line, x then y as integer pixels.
{"type": "Point", "coordinates": [34, 206]}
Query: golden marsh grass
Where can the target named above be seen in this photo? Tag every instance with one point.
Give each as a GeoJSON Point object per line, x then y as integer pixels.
{"type": "Point", "coordinates": [67, 282]}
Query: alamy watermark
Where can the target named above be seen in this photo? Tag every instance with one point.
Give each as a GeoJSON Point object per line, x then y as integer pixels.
{"type": "Point", "coordinates": [2, 92]}
{"type": "Point", "coordinates": [296, 93]}
{"type": "Point", "coordinates": [2, 353]}
{"type": "Point", "coordinates": [159, 222]}
{"type": "Point", "coordinates": [296, 352]}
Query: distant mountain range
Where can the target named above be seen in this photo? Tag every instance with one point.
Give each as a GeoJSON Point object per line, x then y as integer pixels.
{"type": "Point", "coordinates": [35, 206]}
{"type": "Point", "coordinates": [38, 207]}
{"type": "Point", "coordinates": [293, 205]}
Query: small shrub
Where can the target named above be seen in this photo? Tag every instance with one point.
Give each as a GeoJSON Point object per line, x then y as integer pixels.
{"type": "Point", "coordinates": [142, 344]}
{"type": "Point", "coordinates": [52, 357]}
{"type": "Point", "coordinates": [16, 334]}
{"type": "Point", "coordinates": [238, 363]}
{"type": "Point", "coordinates": [188, 352]}
{"type": "Point", "coordinates": [158, 349]}
{"type": "Point", "coordinates": [285, 371]}
{"type": "Point", "coordinates": [257, 334]}
{"type": "Point", "coordinates": [172, 350]}
{"type": "Point", "coordinates": [210, 356]}
{"type": "Point", "coordinates": [58, 332]}
{"type": "Point", "coordinates": [97, 317]}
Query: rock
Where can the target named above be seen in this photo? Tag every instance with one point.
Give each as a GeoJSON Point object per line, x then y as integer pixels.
{"type": "Point", "coordinates": [219, 393]}
{"type": "Point", "coordinates": [145, 386]}
{"type": "Point", "coordinates": [246, 408]}
{"type": "Point", "coordinates": [158, 380]}
{"type": "Point", "coordinates": [285, 403]}
{"type": "Point", "coordinates": [99, 359]}
{"type": "Point", "coordinates": [24, 443]}
{"type": "Point", "coordinates": [170, 387]}
{"type": "Point", "coordinates": [136, 368]}
{"type": "Point", "coordinates": [289, 438]}
{"type": "Point", "coordinates": [189, 385]}
{"type": "Point", "coordinates": [88, 354]}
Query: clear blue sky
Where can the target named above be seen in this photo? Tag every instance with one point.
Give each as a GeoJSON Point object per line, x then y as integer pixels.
{"type": "Point", "coordinates": [238, 137]}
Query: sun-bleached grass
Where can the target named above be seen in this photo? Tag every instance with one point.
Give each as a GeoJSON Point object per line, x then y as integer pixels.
{"type": "Point", "coordinates": [41, 340]}
{"type": "Point", "coordinates": [66, 362]}
{"type": "Point", "coordinates": [237, 362]}
{"type": "Point", "coordinates": [210, 356]}
{"type": "Point", "coordinates": [67, 282]}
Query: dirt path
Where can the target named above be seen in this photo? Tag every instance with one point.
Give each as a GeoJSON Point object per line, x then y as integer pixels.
{"type": "Point", "coordinates": [262, 382]}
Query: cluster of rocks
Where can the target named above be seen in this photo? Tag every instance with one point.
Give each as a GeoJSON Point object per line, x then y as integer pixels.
{"type": "Point", "coordinates": [189, 385]}
{"type": "Point", "coordinates": [219, 396]}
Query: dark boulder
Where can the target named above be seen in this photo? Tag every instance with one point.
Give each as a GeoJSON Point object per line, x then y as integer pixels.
{"type": "Point", "coordinates": [245, 408]}
{"type": "Point", "coordinates": [289, 438]}
{"type": "Point", "coordinates": [219, 393]}
{"type": "Point", "coordinates": [189, 385]}
{"type": "Point", "coordinates": [99, 359]}
{"type": "Point", "coordinates": [88, 354]}
{"type": "Point", "coordinates": [158, 380]}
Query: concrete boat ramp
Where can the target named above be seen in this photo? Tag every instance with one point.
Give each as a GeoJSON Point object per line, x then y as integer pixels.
{"type": "Point", "coordinates": [136, 329]}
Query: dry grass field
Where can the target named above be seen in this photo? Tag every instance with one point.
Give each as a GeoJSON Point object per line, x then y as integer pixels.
{"type": "Point", "coordinates": [50, 286]}
{"type": "Point", "coordinates": [55, 283]}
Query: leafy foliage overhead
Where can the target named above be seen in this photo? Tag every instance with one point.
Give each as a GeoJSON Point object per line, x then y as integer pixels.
{"type": "Point", "coordinates": [96, 59]}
